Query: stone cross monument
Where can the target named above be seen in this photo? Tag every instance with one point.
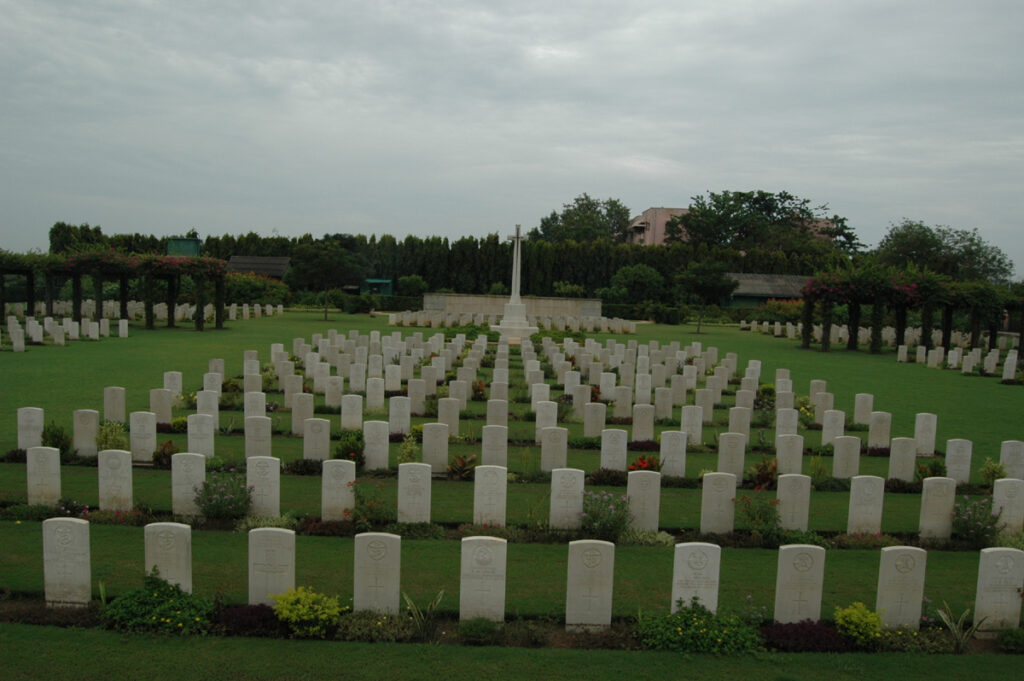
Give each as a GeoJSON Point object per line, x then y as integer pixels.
{"type": "Point", "coordinates": [514, 325]}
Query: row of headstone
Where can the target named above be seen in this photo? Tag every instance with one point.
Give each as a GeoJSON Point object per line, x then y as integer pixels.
{"type": "Point", "coordinates": [589, 324]}
{"type": "Point", "coordinates": [58, 333]}
{"type": "Point", "coordinates": [589, 581]}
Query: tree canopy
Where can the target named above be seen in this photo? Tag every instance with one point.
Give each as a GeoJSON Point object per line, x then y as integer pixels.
{"type": "Point", "coordinates": [585, 219]}
{"type": "Point", "coordinates": [760, 219]}
{"type": "Point", "coordinates": [705, 283]}
{"type": "Point", "coordinates": [958, 253]}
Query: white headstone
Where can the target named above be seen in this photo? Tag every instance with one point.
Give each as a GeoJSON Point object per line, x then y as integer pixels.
{"type": "Point", "coordinates": [673, 453]}
{"type": "Point", "coordinates": [258, 436]}
{"type": "Point", "coordinates": [846, 457]}
{"type": "Point", "coordinates": [142, 435]}
{"type": "Point", "coordinates": [435, 447]}
{"type": "Point", "coordinates": [1011, 455]}
{"type": "Point", "coordinates": [879, 429]}
{"type": "Point", "coordinates": [316, 439]}
{"type": "Point", "coordinates": [798, 583]}
{"type": "Point", "coordinates": [352, 412]}
{"type": "Point", "coordinates": [695, 575]}
{"type": "Point", "coordinates": [114, 404]}
{"type": "Point", "coordinates": [115, 480]}
{"type": "Point", "coordinates": [902, 459]}
{"type": "Point", "coordinates": [271, 564]}
{"type": "Point", "coordinates": [717, 503]}
{"type": "Point", "coordinates": [86, 427]}
{"type": "Point", "coordinates": [588, 599]}
{"type": "Point", "coordinates": [1008, 501]}
{"type": "Point", "coordinates": [901, 571]}
{"type": "Point", "coordinates": [67, 567]}
{"type": "Point", "coordinates": [644, 491]}
{"type": "Point", "coordinates": [566, 498]}
{"type": "Point", "coordinates": [169, 551]}
{"type": "Point", "coordinates": [937, 498]}
{"type": "Point", "coordinates": [794, 496]}
{"type": "Point", "coordinates": [336, 494]}
{"type": "Point", "coordinates": [377, 574]}
{"type": "Point", "coordinates": [490, 488]}
{"type": "Point", "coordinates": [263, 474]}
{"type": "Point", "coordinates": [375, 440]}
{"type": "Point", "coordinates": [553, 448]}
{"type": "Point", "coordinates": [865, 511]}
{"type": "Point", "coordinates": [188, 473]}
{"type": "Point", "coordinates": [482, 583]}
{"type": "Point", "coordinates": [998, 595]}
{"type": "Point", "coordinates": [42, 474]}
{"type": "Point", "coordinates": [30, 427]}
{"type": "Point", "coordinates": [731, 450]}
{"type": "Point", "coordinates": [924, 433]}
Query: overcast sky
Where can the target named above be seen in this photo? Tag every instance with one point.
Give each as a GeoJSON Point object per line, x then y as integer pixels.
{"type": "Point", "coordinates": [459, 117]}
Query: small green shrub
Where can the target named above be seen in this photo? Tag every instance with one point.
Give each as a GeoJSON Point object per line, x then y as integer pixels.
{"type": "Point", "coordinates": [479, 631]}
{"type": "Point", "coordinates": [991, 471]}
{"type": "Point", "coordinates": [462, 467]}
{"type": "Point", "coordinates": [255, 522]}
{"type": "Point", "coordinates": [1011, 641]}
{"type": "Point", "coordinates": [371, 627]}
{"type": "Point", "coordinates": [859, 624]}
{"type": "Point", "coordinates": [224, 496]}
{"type": "Point", "coordinates": [159, 607]}
{"type": "Point", "coordinates": [307, 613]}
{"type": "Point", "coordinates": [694, 629]}
{"type": "Point", "coordinates": [864, 540]}
{"type": "Point", "coordinates": [605, 515]}
{"type": "Point", "coordinates": [179, 424]}
{"type": "Point", "coordinates": [163, 453]}
{"type": "Point", "coordinates": [372, 511]}
{"type": "Point", "coordinates": [350, 447]}
{"type": "Point", "coordinates": [408, 451]}
{"type": "Point", "coordinates": [55, 436]}
{"type": "Point", "coordinates": [647, 538]}
{"type": "Point", "coordinates": [933, 468]}
{"type": "Point", "coordinates": [111, 435]}
{"type": "Point", "coordinates": [975, 523]}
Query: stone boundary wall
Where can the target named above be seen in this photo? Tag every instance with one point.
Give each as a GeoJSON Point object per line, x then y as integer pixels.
{"type": "Point", "coordinates": [488, 305]}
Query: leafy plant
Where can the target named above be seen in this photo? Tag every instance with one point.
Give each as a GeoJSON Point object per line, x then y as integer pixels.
{"type": "Point", "coordinates": [224, 496]}
{"type": "Point", "coordinates": [371, 510]}
{"type": "Point", "coordinates": [111, 435]}
{"type": "Point", "coordinates": [960, 634]}
{"type": "Point", "coordinates": [55, 436]}
{"type": "Point", "coordinates": [761, 513]}
{"type": "Point", "coordinates": [1011, 641]}
{"type": "Point", "coordinates": [605, 515]}
{"type": "Point", "coordinates": [479, 631]}
{"type": "Point", "coordinates": [179, 424]}
{"type": "Point", "coordinates": [694, 629]}
{"type": "Point", "coordinates": [408, 451]}
{"type": "Point", "coordinates": [255, 522]}
{"type": "Point", "coordinates": [859, 624]}
{"type": "Point", "coordinates": [350, 447]}
{"type": "Point", "coordinates": [307, 613]}
{"type": "Point", "coordinates": [163, 453]}
{"type": "Point", "coordinates": [461, 467]}
{"type": "Point", "coordinates": [762, 473]}
{"type": "Point", "coordinates": [372, 627]}
{"type": "Point", "coordinates": [991, 471]}
{"type": "Point", "coordinates": [645, 463]}
{"type": "Point", "coordinates": [932, 468]}
{"type": "Point", "coordinates": [159, 607]}
{"type": "Point", "coordinates": [975, 523]}
{"type": "Point", "coordinates": [423, 619]}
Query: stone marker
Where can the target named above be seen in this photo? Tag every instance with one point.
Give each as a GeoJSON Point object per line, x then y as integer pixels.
{"type": "Point", "coordinates": [1008, 501]}
{"type": "Point", "coordinates": [643, 423]}
{"type": "Point", "coordinates": [414, 493]}
{"type": "Point", "coordinates": [789, 450]}
{"type": "Point", "coordinates": [208, 402]}
{"type": "Point", "coordinates": [375, 449]}
{"type": "Point", "coordinates": [833, 425]}
{"type": "Point", "coordinates": [352, 412]}
{"type": "Point", "coordinates": [846, 456]}
{"type": "Point", "coordinates": [958, 460]}
{"type": "Point", "coordinates": [87, 426]}
{"type": "Point", "coordinates": [271, 564]}
{"type": "Point", "coordinates": [879, 429]}
{"type": "Point", "coordinates": [67, 567]}
{"type": "Point", "coordinates": [1011, 455]}
{"type": "Point", "coordinates": [594, 417]}
{"type": "Point", "coordinates": [374, 394]}
{"type": "Point", "coordinates": [201, 434]}
{"type": "Point", "coordinates": [490, 485]}
{"type": "Point", "coordinates": [377, 573]}
{"type": "Point", "coordinates": [30, 427]}
{"type": "Point", "coordinates": [42, 475]}
{"type": "Point", "coordinates": [644, 491]}
{"type": "Point", "coordinates": [114, 404]}
{"type": "Point", "coordinates": [865, 510]}
{"type": "Point", "coordinates": [901, 573]}
{"type": "Point", "coordinates": [263, 474]}
{"type": "Point", "coordinates": [936, 518]}
{"type": "Point", "coordinates": [731, 450]}
{"type": "Point", "coordinates": [692, 424]}
{"type": "Point", "coordinates": [482, 582]}
{"type": "Point", "coordinates": [316, 439]}
{"type": "Point", "coordinates": [169, 552]}
{"type": "Point", "coordinates": [448, 413]}
{"type": "Point", "coordinates": [924, 433]}
{"type": "Point", "coordinates": [863, 405]}
{"type": "Point", "coordinates": [794, 497]}
{"type": "Point", "coordinates": [258, 436]}
{"type": "Point", "coordinates": [188, 473]}
{"type": "Point", "coordinates": [547, 417]}
{"type": "Point", "coordinates": [566, 498]}
{"type": "Point", "coordinates": [613, 449]}
{"type": "Point", "coordinates": [160, 400]}
{"type": "Point", "coordinates": [902, 459]}
{"type": "Point", "coordinates": [302, 409]}
{"type": "Point", "coordinates": [588, 598]}
{"type": "Point", "coordinates": [673, 453]}
{"type": "Point", "coordinates": [798, 583]}
{"type": "Point", "coordinates": [336, 493]}
{"type": "Point", "coordinates": [717, 505]}
{"type": "Point", "coordinates": [554, 443]}
{"type": "Point", "coordinates": [115, 480]}
{"type": "Point", "coordinates": [998, 597]}
{"type": "Point", "coordinates": [695, 575]}
{"type": "Point", "coordinates": [435, 447]}
{"type": "Point", "coordinates": [400, 415]}
{"type": "Point", "coordinates": [142, 435]}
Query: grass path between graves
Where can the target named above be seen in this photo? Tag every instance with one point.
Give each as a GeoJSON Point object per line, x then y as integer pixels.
{"type": "Point", "coordinates": [32, 652]}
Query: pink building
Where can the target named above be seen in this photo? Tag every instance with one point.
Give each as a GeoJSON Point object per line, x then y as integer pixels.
{"type": "Point", "coordinates": [648, 228]}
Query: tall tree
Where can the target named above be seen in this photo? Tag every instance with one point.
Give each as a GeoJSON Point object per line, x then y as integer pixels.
{"type": "Point", "coordinates": [958, 253]}
{"type": "Point", "coordinates": [324, 265]}
{"type": "Point", "coordinates": [585, 219]}
{"type": "Point", "coordinates": [705, 283]}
